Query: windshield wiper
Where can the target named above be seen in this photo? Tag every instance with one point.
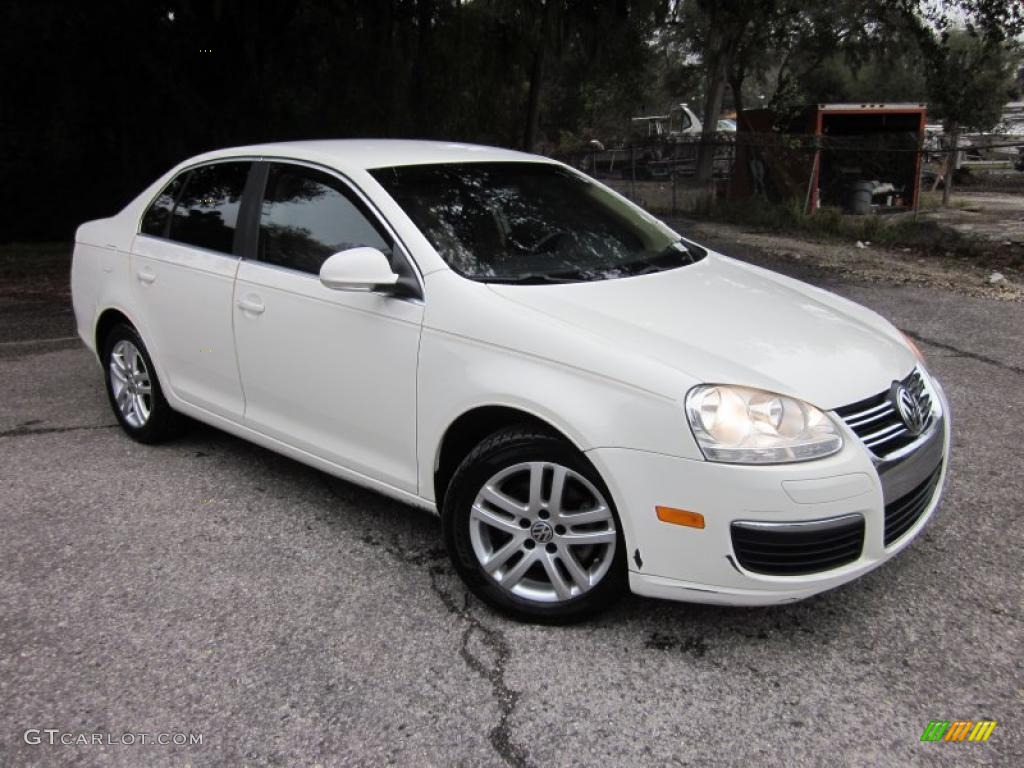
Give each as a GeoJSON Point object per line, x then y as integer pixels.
{"type": "Point", "coordinates": [533, 278]}
{"type": "Point", "coordinates": [674, 256]}
{"type": "Point", "coordinates": [650, 269]}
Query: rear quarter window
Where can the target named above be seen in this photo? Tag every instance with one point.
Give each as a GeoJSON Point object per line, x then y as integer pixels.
{"type": "Point", "coordinates": [158, 215]}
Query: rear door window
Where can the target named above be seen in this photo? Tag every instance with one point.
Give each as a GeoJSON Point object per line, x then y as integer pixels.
{"type": "Point", "coordinates": [206, 214]}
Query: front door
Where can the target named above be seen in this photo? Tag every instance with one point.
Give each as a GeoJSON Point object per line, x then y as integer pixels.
{"type": "Point", "coordinates": [329, 372]}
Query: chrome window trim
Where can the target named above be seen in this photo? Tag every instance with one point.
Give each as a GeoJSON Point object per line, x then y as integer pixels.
{"type": "Point", "coordinates": [180, 244]}
{"type": "Point", "coordinates": [310, 276]}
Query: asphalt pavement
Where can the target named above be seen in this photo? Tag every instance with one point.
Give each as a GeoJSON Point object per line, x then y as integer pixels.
{"type": "Point", "coordinates": [211, 587]}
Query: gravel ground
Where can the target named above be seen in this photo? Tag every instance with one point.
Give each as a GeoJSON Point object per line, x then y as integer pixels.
{"type": "Point", "coordinates": [209, 586]}
{"type": "Point", "coordinates": [852, 263]}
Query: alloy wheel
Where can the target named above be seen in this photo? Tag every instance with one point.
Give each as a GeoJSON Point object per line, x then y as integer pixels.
{"type": "Point", "coordinates": [130, 384]}
{"type": "Point", "coordinates": [542, 531]}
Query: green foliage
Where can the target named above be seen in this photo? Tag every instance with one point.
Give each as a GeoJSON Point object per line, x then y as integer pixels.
{"type": "Point", "coordinates": [970, 79]}
{"type": "Point", "coordinates": [888, 74]}
{"type": "Point", "coordinates": [788, 53]}
{"type": "Point", "coordinates": [125, 89]}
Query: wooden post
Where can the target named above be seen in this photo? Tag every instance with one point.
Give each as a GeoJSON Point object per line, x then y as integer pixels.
{"type": "Point", "coordinates": [632, 171]}
{"type": "Point", "coordinates": [811, 185]}
{"type": "Point", "coordinates": [673, 172]}
{"type": "Point", "coordinates": [916, 202]}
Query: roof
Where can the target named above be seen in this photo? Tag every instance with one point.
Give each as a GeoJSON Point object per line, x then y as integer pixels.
{"type": "Point", "coordinates": [374, 153]}
{"type": "Point", "coordinates": [868, 107]}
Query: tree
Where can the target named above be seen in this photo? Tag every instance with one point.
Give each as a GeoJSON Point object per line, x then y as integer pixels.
{"type": "Point", "coordinates": [737, 38]}
{"type": "Point", "coordinates": [716, 29]}
{"type": "Point", "coordinates": [127, 89]}
{"type": "Point", "coordinates": [546, 26]}
{"type": "Point", "coordinates": [821, 52]}
{"type": "Point", "coordinates": [574, 36]}
{"type": "Point", "coordinates": [970, 81]}
{"type": "Point", "coordinates": [970, 71]}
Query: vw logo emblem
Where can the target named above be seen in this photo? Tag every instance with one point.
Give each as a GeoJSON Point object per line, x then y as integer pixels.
{"type": "Point", "coordinates": [910, 409]}
{"type": "Point", "coordinates": [541, 532]}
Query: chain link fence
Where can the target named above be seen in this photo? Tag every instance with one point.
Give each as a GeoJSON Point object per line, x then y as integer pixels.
{"type": "Point", "coordinates": [879, 172]}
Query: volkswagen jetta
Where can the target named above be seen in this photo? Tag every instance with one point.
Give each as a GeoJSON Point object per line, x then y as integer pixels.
{"type": "Point", "coordinates": [589, 400]}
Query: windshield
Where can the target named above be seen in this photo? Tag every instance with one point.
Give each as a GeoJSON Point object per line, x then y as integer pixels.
{"type": "Point", "coordinates": [531, 222]}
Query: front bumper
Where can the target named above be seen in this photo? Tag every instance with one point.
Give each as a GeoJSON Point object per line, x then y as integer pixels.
{"type": "Point", "coordinates": [702, 565]}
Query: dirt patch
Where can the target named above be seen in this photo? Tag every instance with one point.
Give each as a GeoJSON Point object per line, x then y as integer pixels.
{"type": "Point", "coordinates": [994, 218]}
{"type": "Point", "coordinates": [869, 263]}
{"type": "Point", "coordinates": [1006, 180]}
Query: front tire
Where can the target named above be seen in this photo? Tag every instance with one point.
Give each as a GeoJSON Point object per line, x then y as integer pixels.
{"type": "Point", "coordinates": [133, 388]}
{"type": "Point", "coordinates": [531, 528]}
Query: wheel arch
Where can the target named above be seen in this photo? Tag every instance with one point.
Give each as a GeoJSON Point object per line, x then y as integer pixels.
{"type": "Point", "coordinates": [466, 431]}
{"type": "Point", "coordinates": [106, 321]}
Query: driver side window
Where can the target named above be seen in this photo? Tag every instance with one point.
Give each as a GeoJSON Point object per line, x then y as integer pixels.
{"type": "Point", "coordinates": [308, 215]}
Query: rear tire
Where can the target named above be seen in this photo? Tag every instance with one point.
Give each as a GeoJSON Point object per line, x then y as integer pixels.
{"type": "Point", "coordinates": [531, 529]}
{"type": "Point", "coordinates": [134, 391]}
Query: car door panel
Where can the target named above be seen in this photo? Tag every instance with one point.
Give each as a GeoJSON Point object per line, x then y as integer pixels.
{"type": "Point", "coordinates": [182, 268]}
{"type": "Point", "coordinates": [330, 372]}
{"type": "Point", "coordinates": [186, 294]}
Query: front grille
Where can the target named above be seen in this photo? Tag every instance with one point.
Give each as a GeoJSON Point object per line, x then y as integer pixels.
{"type": "Point", "coordinates": [901, 514]}
{"type": "Point", "coordinates": [878, 423]}
{"type": "Point", "coordinates": [793, 549]}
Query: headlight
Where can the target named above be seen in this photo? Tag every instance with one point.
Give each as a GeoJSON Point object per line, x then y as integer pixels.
{"type": "Point", "coordinates": [750, 426]}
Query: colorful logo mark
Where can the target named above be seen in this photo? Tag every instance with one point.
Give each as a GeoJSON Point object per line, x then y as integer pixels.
{"type": "Point", "coordinates": [958, 730]}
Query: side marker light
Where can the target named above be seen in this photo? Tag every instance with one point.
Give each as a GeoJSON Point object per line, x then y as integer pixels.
{"type": "Point", "coordinates": [680, 517]}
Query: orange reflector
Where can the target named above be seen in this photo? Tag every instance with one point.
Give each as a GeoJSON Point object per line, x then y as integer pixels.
{"type": "Point", "coordinates": [680, 517]}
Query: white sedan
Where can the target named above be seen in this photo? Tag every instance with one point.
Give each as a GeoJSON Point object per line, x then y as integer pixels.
{"type": "Point", "coordinates": [588, 400]}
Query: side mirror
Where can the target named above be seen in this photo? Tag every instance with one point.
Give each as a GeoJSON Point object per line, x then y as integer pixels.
{"type": "Point", "coordinates": [357, 269]}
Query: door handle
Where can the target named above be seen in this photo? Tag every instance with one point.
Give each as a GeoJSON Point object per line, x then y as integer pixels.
{"type": "Point", "coordinates": [252, 305]}
{"type": "Point", "coordinates": [146, 275]}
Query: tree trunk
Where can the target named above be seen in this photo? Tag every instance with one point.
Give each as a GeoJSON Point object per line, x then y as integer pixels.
{"type": "Point", "coordinates": [537, 75]}
{"type": "Point", "coordinates": [533, 100]}
{"type": "Point", "coordinates": [423, 123]}
{"type": "Point", "coordinates": [712, 109]}
{"type": "Point", "coordinates": [954, 145]}
{"type": "Point", "coordinates": [736, 85]}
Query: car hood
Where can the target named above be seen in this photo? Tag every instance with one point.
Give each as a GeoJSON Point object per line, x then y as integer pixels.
{"type": "Point", "coordinates": [723, 321]}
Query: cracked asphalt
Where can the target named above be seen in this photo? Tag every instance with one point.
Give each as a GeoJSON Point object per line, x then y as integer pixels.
{"type": "Point", "coordinates": [209, 586]}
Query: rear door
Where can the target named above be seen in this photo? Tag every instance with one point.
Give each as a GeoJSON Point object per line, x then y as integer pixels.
{"type": "Point", "coordinates": [330, 372]}
{"type": "Point", "coordinates": [183, 268]}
